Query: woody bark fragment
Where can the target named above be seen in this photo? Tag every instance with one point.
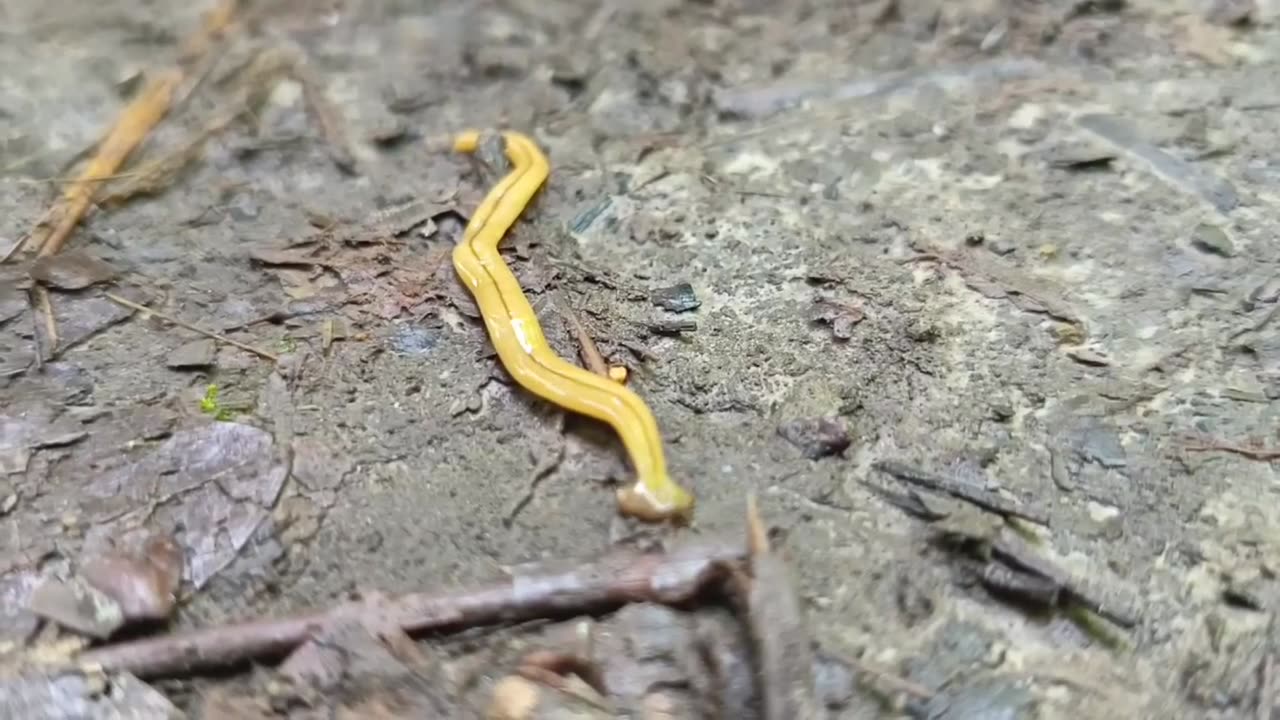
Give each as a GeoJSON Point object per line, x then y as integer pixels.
{"type": "Point", "coordinates": [619, 578]}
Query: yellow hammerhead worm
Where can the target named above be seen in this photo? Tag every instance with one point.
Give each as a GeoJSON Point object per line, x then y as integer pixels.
{"type": "Point", "coordinates": [514, 330]}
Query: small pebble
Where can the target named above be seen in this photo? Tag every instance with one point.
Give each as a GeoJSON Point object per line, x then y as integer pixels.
{"type": "Point", "coordinates": [1079, 156]}
{"type": "Point", "coordinates": [1001, 410]}
{"type": "Point", "coordinates": [841, 317]}
{"type": "Point", "coordinates": [816, 437]}
{"type": "Point", "coordinates": [77, 606]}
{"type": "Point", "coordinates": [1085, 356]}
{"type": "Point", "coordinates": [677, 298]}
{"type": "Point", "coordinates": [71, 270]}
{"type": "Point", "coordinates": [195, 354]}
{"type": "Point", "coordinates": [1212, 239]}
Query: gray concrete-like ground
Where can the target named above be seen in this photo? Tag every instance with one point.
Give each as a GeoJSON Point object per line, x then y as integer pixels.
{"type": "Point", "coordinates": [1029, 245]}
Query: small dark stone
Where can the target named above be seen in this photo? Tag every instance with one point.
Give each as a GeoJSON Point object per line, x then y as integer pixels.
{"type": "Point", "coordinates": [677, 298]}
{"type": "Point", "coordinates": [1244, 594]}
{"type": "Point", "coordinates": [389, 130]}
{"type": "Point", "coordinates": [841, 317]}
{"type": "Point", "coordinates": [1079, 156]}
{"type": "Point", "coordinates": [922, 331]}
{"type": "Point", "coordinates": [1001, 410]}
{"type": "Point", "coordinates": [816, 437]}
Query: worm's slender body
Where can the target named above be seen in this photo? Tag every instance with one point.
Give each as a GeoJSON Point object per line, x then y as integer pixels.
{"type": "Point", "coordinates": [516, 334]}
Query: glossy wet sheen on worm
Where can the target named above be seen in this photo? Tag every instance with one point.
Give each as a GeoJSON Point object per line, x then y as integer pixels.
{"type": "Point", "coordinates": [516, 334]}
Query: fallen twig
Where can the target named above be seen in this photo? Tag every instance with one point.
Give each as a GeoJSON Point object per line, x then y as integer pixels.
{"type": "Point", "coordinates": [197, 45]}
{"type": "Point", "coordinates": [591, 356]}
{"type": "Point", "coordinates": [188, 326]}
{"type": "Point", "coordinates": [617, 579]}
{"type": "Point", "coordinates": [155, 175]}
{"type": "Point", "coordinates": [550, 668]}
{"type": "Point", "coordinates": [130, 129]}
{"type": "Point", "coordinates": [1253, 453]}
{"type": "Point", "coordinates": [1093, 594]}
{"type": "Point", "coordinates": [888, 679]}
{"type": "Point", "coordinates": [332, 126]}
{"type": "Point", "coordinates": [1001, 281]}
{"type": "Point", "coordinates": [43, 323]}
{"type": "Point", "coordinates": [671, 327]}
{"type": "Point", "coordinates": [776, 620]}
{"type": "Point", "coordinates": [983, 499]}
{"type": "Point", "coordinates": [1022, 570]}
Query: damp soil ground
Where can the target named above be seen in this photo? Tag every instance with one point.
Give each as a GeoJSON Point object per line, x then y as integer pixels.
{"type": "Point", "coordinates": [1029, 245]}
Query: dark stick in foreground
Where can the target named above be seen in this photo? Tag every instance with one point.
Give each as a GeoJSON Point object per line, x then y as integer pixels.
{"type": "Point", "coordinates": [775, 616]}
{"type": "Point", "coordinates": [617, 579]}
